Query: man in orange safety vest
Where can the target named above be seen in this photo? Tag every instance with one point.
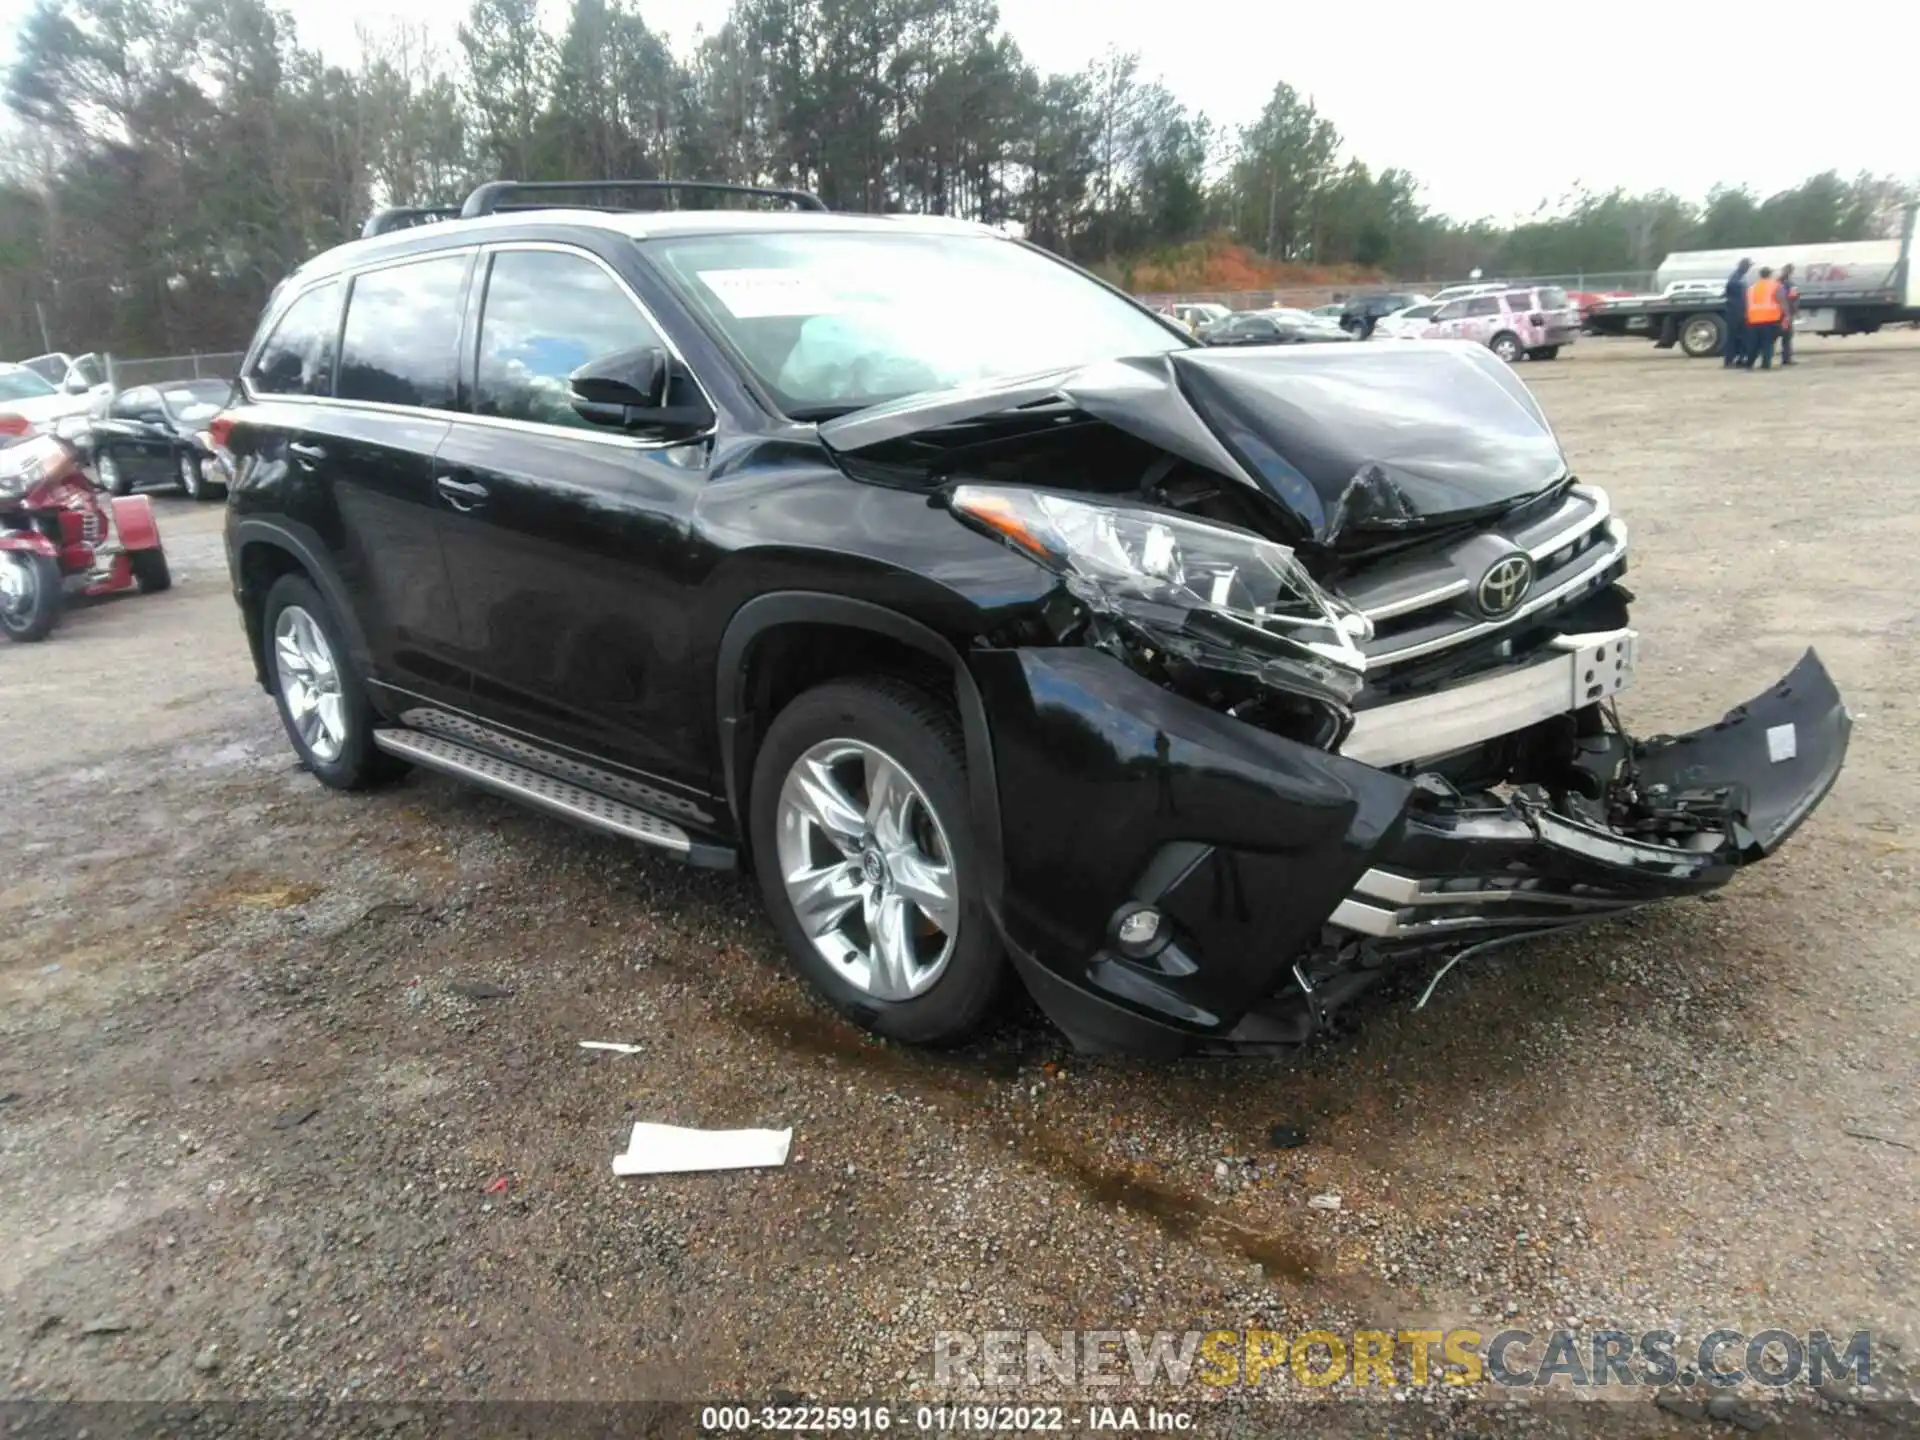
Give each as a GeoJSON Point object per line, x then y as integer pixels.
{"type": "Point", "coordinates": [1764, 313]}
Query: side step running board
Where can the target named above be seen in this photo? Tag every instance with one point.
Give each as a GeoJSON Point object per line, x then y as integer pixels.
{"type": "Point", "coordinates": [557, 797]}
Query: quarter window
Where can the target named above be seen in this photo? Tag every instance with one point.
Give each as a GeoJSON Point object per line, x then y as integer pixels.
{"type": "Point", "coordinates": [546, 314]}
{"type": "Point", "coordinates": [403, 334]}
{"type": "Point", "coordinates": [296, 359]}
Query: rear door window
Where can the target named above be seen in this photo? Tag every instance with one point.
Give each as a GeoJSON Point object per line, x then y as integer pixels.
{"type": "Point", "coordinates": [297, 357]}
{"type": "Point", "coordinates": [1520, 301]}
{"type": "Point", "coordinates": [402, 337]}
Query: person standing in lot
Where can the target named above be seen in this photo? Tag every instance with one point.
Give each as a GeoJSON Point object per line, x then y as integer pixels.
{"type": "Point", "coordinates": [1789, 304]}
{"type": "Point", "coordinates": [1764, 313]}
{"type": "Point", "coordinates": [1733, 349]}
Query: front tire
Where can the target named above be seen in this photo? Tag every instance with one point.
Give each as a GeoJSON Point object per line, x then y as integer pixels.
{"type": "Point", "coordinates": [150, 570]}
{"type": "Point", "coordinates": [192, 478]}
{"type": "Point", "coordinates": [112, 478]}
{"type": "Point", "coordinates": [319, 694]}
{"type": "Point", "coordinates": [30, 596]}
{"type": "Point", "coordinates": [863, 840]}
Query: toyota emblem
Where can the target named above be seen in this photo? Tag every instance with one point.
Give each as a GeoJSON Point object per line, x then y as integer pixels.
{"type": "Point", "coordinates": [1504, 586]}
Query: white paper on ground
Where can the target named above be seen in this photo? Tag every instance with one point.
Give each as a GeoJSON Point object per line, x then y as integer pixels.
{"type": "Point", "coordinates": [618, 1047]}
{"type": "Point", "coordinates": [671, 1149]}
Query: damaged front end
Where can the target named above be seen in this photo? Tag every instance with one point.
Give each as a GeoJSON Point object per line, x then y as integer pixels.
{"type": "Point", "coordinates": [1326, 686]}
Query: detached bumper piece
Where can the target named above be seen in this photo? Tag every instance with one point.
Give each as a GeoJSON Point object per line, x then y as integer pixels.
{"type": "Point", "coordinates": [1177, 881]}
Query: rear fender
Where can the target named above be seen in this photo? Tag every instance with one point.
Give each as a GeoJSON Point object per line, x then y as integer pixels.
{"type": "Point", "coordinates": [28, 542]}
{"type": "Point", "coordinates": [133, 522]}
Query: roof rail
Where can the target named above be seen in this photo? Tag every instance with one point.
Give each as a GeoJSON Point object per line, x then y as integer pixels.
{"type": "Point", "coordinates": [403, 217]}
{"type": "Point", "coordinates": [498, 195]}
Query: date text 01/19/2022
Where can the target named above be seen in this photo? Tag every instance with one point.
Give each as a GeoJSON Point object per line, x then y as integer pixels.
{"type": "Point", "coordinates": [939, 1419]}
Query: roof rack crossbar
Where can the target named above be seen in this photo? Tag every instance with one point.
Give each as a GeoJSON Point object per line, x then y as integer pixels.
{"type": "Point", "coordinates": [497, 195]}
{"type": "Point", "coordinates": [403, 217]}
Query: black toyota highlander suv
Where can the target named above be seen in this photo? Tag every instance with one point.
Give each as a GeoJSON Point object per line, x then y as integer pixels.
{"type": "Point", "coordinates": [1199, 688]}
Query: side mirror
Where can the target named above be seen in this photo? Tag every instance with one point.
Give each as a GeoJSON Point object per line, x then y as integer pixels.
{"type": "Point", "coordinates": [75, 384]}
{"type": "Point", "coordinates": [634, 390]}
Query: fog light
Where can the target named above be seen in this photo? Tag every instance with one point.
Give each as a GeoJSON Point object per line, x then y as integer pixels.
{"type": "Point", "coordinates": [1139, 931]}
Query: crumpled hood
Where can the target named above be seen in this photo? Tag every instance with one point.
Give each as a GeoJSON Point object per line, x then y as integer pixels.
{"type": "Point", "coordinates": [1352, 439]}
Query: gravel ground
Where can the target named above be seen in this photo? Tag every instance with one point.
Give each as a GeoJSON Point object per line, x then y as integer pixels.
{"type": "Point", "coordinates": [261, 1136]}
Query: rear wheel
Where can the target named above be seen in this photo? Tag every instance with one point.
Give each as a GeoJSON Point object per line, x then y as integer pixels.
{"type": "Point", "coordinates": [1507, 346]}
{"type": "Point", "coordinates": [863, 840]}
{"type": "Point", "coordinates": [29, 595]}
{"type": "Point", "coordinates": [322, 703]}
{"type": "Point", "coordinates": [1702, 336]}
{"type": "Point", "coordinates": [1544, 352]}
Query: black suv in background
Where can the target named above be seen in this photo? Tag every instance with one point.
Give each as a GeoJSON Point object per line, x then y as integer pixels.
{"type": "Point", "coordinates": [1202, 687]}
{"type": "Point", "coordinates": [1363, 312]}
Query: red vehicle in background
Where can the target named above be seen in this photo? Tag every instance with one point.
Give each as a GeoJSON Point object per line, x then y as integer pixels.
{"type": "Point", "coordinates": [59, 532]}
{"type": "Point", "coordinates": [1585, 300]}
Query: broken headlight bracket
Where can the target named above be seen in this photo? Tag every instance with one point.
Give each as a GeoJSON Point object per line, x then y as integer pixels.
{"type": "Point", "coordinates": [1190, 592]}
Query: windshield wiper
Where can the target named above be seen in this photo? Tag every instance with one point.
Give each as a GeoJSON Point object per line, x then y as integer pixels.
{"type": "Point", "coordinates": [823, 412]}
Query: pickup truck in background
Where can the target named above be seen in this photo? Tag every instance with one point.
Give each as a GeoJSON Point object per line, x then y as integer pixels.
{"type": "Point", "coordinates": [1846, 288]}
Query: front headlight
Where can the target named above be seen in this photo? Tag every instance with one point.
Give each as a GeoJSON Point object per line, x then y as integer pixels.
{"type": "Point", "coordinates": [1220, 598]}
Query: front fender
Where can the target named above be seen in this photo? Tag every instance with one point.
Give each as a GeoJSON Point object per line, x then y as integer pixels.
{"type": "Point", "coordinates": [134, 523]}
{"type": "Point", "coordinates": [28, 542]}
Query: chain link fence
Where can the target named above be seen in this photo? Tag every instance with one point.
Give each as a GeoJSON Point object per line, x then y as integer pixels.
{"type": "Point", "coordinates": [1307, 297]}
{"type": "Point", "coordinates": [163, 369]}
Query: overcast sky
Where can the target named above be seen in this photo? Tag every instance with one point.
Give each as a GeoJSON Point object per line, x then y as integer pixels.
{"type": "Point", "coordinates": [1512, 105]}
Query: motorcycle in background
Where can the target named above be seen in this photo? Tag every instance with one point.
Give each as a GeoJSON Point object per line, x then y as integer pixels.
{"type": "Point", "coordinates": [60, 533]}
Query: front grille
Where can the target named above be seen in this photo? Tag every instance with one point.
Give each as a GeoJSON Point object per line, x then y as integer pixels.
{"type": "Point", "coordinates": [1426, 604]}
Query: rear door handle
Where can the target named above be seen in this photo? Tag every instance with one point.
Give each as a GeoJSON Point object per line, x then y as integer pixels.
{"type": "Point", "coordinates": [310, 454]}
{"type": "Point", "coordinates": [461, 494]}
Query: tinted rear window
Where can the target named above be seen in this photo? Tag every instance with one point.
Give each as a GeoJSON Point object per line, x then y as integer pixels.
{"type": "Point", "coordinates": [1552, 297]}
{"type": "Point", "coordinates": [403, 333]}
{"type": "Point", "coordinates": [295, 360]}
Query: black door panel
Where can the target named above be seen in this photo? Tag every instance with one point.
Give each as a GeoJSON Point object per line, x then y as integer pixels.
{"type": "Point", "coordinates": [566, 556]}
{"type": "Point", "coordinates": [377, 468]}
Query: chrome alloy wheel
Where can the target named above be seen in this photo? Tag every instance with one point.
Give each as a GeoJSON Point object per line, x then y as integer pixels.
{"type": "Point", "coordinates": [867, 869]}
{"type": "Point", "coordinates": [310, 683]}
{"type": "Point", "coordinates": [16, 583]}
{"type": "Point", "coordinates": [189, 474]}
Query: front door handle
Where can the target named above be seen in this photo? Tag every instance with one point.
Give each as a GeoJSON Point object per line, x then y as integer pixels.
{"type": "Point", "coordinates": [463, 495]}
{"type": "Point", "coordinates": [308, 454]}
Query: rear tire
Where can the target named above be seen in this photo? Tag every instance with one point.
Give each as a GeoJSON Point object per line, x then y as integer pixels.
{"type": "Point", "coordinates": [349, 761]}
{"type": "Point", "coordinates": [1702, 336]}
{"type": "Point", "coordinates": [1544, 352]}
{"type": "Point", "coordinates": [896, 739]}
{"type": "Point", "coordinates": [150, 570]}
{"type": "Point", "coordinates": [30, 603]}
{"type": "Point", "coordinates": [1507, 346]}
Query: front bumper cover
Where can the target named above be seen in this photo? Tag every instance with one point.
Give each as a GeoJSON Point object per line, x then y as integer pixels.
{"type": "Point", "coordinates": [1276, 863]}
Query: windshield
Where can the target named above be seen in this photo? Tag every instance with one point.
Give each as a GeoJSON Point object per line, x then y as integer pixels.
{"type": "Point", "coordinates": [200, 402]}
{"type": "Point", "coordinates": [23, 385]}
{"type": "Point", "coordinates": [833, 322]}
